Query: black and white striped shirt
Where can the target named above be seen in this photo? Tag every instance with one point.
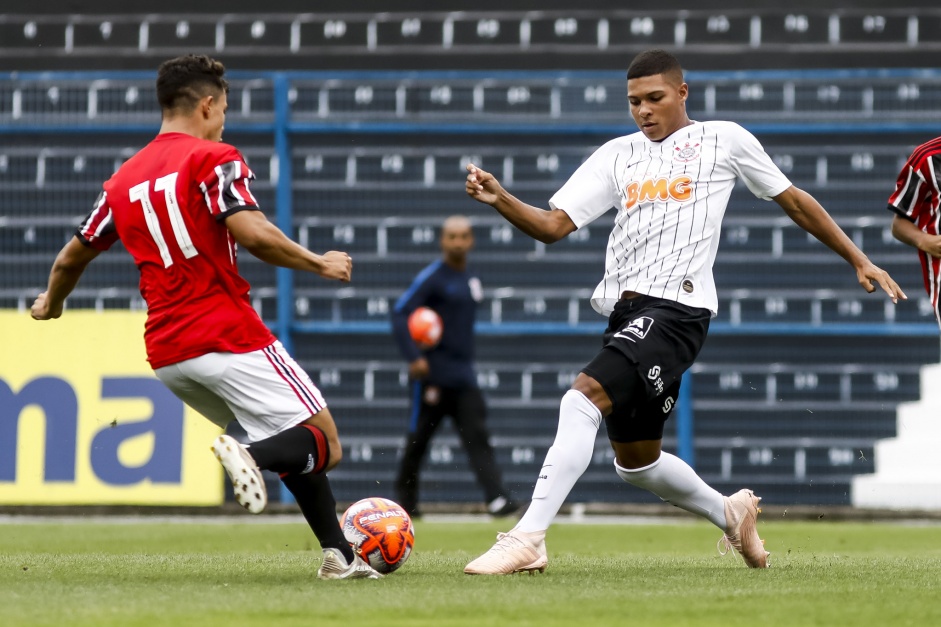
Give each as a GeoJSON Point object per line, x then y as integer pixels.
{"type": "Point", "coordinates": [671, 196]}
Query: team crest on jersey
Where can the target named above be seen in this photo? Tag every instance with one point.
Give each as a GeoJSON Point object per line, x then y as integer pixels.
{"type": "Point", "coordinates": [688, 152]}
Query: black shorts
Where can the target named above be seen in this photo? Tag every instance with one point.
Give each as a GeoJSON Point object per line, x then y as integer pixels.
{"type": "Point", "coordinates": [648, 345]}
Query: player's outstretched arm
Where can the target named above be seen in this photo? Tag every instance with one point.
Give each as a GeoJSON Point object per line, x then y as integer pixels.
{"type": "Point", "coordinates": [908, 232]}
{"type": "Point", "coordinates": [808, 214]}
{"type": "Point", "coordinates": [545, 226]}
{"type": "Point", "coordinates": [253, 231]}
{"type": "Point", "coordinates": [67, 269]}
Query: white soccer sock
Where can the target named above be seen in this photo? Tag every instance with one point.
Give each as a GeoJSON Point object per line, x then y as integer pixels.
{"type": "Point", "coordinates": [675, 482]}
{"type": "Point", "coordinates": [566, 461]}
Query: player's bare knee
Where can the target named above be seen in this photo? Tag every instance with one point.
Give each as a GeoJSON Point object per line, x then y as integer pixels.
{"type": "Point", "coordinates": [633, 456]}
{"type": "Point", "coordinates": [593, 391]}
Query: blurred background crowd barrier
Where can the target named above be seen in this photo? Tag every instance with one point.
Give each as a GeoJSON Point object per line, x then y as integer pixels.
{"type": "Point", "coordinates": [803, 370]}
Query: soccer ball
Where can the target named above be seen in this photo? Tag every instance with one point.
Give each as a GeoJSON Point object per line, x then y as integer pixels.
{"type": "Point", "coordinates": [425, 327]}
{"type": "Point", "coordinates": [380, 531]}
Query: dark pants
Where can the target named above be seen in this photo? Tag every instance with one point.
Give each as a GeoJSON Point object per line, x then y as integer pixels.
{"type": "Point", "coordinates": [466, 406]}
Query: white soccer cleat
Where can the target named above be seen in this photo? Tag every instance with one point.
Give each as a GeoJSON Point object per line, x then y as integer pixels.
{"type": "Point", "coordinates": [514, 552]}
{"type": "Point", "coordinates": [247, 482]}
{"type": "Point", "coordinates": [334, 566]}
{"type": "Point", "coordinates": [741, 533]}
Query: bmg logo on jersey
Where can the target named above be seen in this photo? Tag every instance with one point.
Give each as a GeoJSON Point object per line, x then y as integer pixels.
{"type": "Point", "coordinates": [679, 189]}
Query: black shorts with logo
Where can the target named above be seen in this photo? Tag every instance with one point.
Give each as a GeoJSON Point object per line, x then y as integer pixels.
{"type": "Point", "coordinates": [648, 345]}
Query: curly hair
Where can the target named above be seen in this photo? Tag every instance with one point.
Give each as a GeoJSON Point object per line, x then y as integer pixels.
{"type": "Point", "coordinates": [184, 81]}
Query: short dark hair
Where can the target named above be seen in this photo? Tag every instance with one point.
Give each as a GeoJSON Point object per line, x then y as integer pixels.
{"type": "Point", "coordinates": [653, 62]}
{"type": "Point", "coordinates": [184, 81]}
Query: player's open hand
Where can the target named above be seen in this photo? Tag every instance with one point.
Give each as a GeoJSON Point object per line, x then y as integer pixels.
{"type": "Point", "coordinates": [41, 311]}
{"type": "Point", "coordinates": [869, 273]}
{"type": "Point", "coordinates": [336, 265]}
{"type": "Point", "coordinates": [482, 185]}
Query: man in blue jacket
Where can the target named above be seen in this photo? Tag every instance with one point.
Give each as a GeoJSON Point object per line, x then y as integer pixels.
{"type": "Point", "coordinates": [443, 380]}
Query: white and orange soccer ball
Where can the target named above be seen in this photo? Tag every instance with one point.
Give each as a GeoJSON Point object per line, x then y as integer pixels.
{"type": "Point", "coordinates": [425, 327]}
{"type": "Point", "coordinates": [380, 531]}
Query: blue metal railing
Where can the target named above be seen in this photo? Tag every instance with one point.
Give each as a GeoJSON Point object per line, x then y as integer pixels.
{"type": "Point", "coordinates": [285, 213]}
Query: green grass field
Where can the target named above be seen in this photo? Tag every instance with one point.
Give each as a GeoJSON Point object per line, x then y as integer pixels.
{"type": "Point", "coordinates": [236, 573]}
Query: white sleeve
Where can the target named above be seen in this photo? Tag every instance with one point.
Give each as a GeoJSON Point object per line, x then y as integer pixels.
{"type": "Point", "coordinates": [591, 190]}
{"type": "Point", "coordinates": [753, 165]}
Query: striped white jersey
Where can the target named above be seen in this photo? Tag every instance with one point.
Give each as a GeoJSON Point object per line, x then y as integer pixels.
{"type": "Point", "coordinates": [671, 196]}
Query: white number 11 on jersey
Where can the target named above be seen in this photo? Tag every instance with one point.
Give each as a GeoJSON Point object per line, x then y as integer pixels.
{"type": "Point", "coordinates": [167, 185]}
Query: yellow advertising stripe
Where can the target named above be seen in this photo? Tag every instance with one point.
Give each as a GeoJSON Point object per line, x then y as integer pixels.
{"type": "Point", "coordinates": [83, 419]}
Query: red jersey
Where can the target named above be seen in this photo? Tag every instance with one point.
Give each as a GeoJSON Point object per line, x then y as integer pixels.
{"type": "Point", "coordinates": [917, 197]}
{"type": "Point", "coordinates": [167, 204]}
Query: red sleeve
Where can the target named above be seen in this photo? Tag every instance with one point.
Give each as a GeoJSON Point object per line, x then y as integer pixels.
{"type": "Point", "coordinates": [226, 186]}
{"type": "Point", "coordinates": [97, 230]}
{"type": "Point", "coordinates": [914, 188]}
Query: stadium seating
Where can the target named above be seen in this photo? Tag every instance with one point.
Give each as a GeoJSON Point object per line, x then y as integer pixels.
{"type": "Point", "coordinates": [793, 386]}
{"type": "Point", "coordinates": [709, 29]}
{"type": "Point", "coordinates": [797, 431]}
{"type": "Point", "coordinates": [516, 98]}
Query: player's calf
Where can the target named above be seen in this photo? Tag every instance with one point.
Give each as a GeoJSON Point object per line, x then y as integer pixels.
{"type": "Point", "coordinates": [299, 450]}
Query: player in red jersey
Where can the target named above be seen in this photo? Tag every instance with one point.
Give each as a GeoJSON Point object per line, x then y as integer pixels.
{"type": "Point", "coordinates": [916, 203]}
{"type": "Point", "coordinates": [180, 206]}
